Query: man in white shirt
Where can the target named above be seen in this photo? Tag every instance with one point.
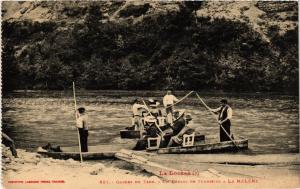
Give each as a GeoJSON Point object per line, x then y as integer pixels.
{"type": "Point", "coordinates": [225, 115]}
{"type": "Point", "coordinates": [168, 102]}
{"type": "Point", "coordinates": [81, 124]}
{"type": "Point", "coordinates": [137, 114]}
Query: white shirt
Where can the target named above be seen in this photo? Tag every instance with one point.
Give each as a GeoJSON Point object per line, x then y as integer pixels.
{"type": "Point", "coordinates": [229, 111]}
{"type": "Point", "coordinates": [169, 100]}
{"type": "Point", "coordinates": [81, 121]}
{"type": "Point", "coordinates": [135, 109]}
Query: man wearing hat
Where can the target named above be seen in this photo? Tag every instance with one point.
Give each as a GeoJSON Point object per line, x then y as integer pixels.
{"type": "Point", "coordinates": [81, 124]}
{"type": "Point", "coordinates": [225, 115]}
{"type": "Point", "coordinates": [168, 102]}
{"type": "Point", "coordinates": [137, 114]}
{"type": "Point", "coordinates": [179, 129]}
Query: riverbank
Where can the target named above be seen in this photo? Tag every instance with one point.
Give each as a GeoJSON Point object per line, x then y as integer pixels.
{"type": "Point", "coordinates": [32, 171]}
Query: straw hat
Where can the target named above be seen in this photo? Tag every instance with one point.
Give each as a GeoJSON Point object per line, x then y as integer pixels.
{"type": "Point", "coordinates": [153, 103]}
{"type": "Point", "coordinates": [151, 100]}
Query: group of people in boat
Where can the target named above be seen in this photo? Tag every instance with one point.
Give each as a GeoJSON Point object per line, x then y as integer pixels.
{"type": "Point", "coordinates": [152, 124]}
{"type": "Point", "coordinates": [150, 121]}
{"type": "Point", "coordinates": [171, 128]}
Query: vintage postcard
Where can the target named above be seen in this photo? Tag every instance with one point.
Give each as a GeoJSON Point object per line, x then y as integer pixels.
{"type": "Point", "coordinates": [150, 94]}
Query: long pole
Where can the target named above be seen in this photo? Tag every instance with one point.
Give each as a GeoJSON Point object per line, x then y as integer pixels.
{"type": "Point", "coordinates": [75, 106]}
{"type": "Point", "coordinates": [216, 119]}
{"type": "Point", "coordinates": [180, 99]}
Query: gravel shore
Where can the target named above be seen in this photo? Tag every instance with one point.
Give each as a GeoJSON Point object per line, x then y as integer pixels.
{"type": "Point", "coordinates": [31, 171]}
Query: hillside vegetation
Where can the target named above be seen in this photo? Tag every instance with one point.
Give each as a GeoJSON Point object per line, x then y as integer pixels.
{"type": "Point", "coordinates": [229, 46]}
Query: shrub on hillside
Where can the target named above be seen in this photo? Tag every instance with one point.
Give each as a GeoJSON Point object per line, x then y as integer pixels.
{"type": "Point", "coordinates": [134, 10]}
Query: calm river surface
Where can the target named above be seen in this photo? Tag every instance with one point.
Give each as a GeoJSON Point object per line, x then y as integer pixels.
{"type": "Point", "coordinates": [270, 122]}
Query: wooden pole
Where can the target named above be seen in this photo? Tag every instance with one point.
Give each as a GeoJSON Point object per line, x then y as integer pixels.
{"type": "Point", "coordinates": [216, 119]}
{"type": "Point", "coordinates": [74, 94]}
{"type": "Point", "coordinates": [159, 129]}
{"type": "Point", "coordinates": [180, 99]}
{"type": "Point", "coordinates": [177, 103]}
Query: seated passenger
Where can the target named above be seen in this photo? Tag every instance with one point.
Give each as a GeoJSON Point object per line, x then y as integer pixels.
{"type": "Point", "coordinates": [171, 130]}
{"type": "Point", "coordinates": [179, 129]}
{"type": "Point", "coordinates": [151, 132]}
{"type": "Point", "coordinates": [149, 120]}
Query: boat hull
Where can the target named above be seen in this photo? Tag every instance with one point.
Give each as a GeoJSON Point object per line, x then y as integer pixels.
{"type": "Point", "coordinates": [226, 146]}
{"type": "Point", "coordinates": [76, 156]}
{"type": "Point", "coordinates": [108, 151]}
{"type": "Point", "coordinates": [132, 134]}
{"type": "Point", "coordinates": [95, 152]}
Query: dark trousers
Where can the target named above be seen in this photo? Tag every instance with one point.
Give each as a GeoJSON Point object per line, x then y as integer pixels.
{"type": "Point", "coordinates": [169, 111]}
{"type": "Point", "coordinates": [83, 134]}
{"type": "Point", "coordinates": [223, 136]}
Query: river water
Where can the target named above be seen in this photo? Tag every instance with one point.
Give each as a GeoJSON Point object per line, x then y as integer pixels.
{"type": "Point", "coordinates": [34, 118]}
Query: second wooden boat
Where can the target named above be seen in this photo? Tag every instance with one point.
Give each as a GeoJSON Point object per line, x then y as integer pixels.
{"type": "Point", "coordinates": [129, 134]}
{"type": "Point", "coordinates": [95, 152]}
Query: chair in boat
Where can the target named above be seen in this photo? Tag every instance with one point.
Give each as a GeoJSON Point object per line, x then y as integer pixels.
{"type": "Point", "coordinates": [153, 143]}
{"type": "Point", "coordinates": [161, 121]}
{"type": "Point", "coordinates": [188, 140]}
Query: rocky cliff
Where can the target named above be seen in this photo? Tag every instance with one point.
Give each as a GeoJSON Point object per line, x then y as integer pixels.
{"type": "Point", "coordinates": [250, 46]}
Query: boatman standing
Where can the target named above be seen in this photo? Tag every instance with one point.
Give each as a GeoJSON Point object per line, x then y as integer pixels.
{"type": "Point", "coordinates": [225, 115]}
{"type": "Point", "coordinates": [81, 124]}
{"type": "Point", "coordinates": [168, 102]}
{"type": "Point", "coordinates": [137, 109]}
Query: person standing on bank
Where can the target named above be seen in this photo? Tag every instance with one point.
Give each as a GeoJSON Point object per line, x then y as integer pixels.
{"type": "Point", "coordinates": [168, 102]}
{"type": "Point", "coordinates": [225, 115]}
{"type": "Point", "coordinates": [81, 123]}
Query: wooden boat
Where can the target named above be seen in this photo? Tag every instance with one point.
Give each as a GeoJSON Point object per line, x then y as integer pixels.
{"type": "Point", "coordinates": [95, 152]}
{"type": "Point", "coordinates": [109, 151]}
{"type": "Point", "coordinates": [226, 146]}
{"type": "Point", "coordinates": [129, 134]}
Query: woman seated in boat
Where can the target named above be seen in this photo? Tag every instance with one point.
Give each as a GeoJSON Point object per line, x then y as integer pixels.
{"type": "Point", "coordinates": [149, 123]}
{"type": "Point", "coordinates": [180, 128]}
{"type": "Point", "coordinates": [151, 126]}
{"type": "Point", "coordinates": [151, 132]}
